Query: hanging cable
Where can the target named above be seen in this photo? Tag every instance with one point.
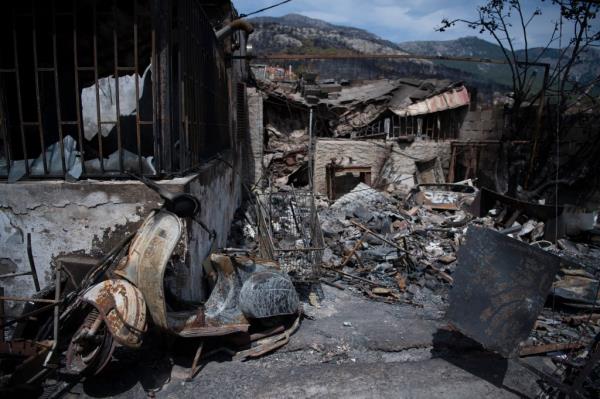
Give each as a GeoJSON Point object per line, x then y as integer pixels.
{"type": "Point", "coordinates": [264, 9]}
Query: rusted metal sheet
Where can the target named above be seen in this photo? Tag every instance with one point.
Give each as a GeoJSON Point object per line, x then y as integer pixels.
{"type": "Point", "coordinates": [500, 287]}
{"type": "Point", "coordinates": [270, 343]}
{"type": "Point", "coordinates": [122, 308]}
{"type": "Point", "coordinates": [577, 291]}
{"type": "Point", "coordinates": [436, 103]}
{"type": "Point", "coordinates": [457, 97]}
{"type": "Point", "coordinates": [450, 99]}
{"type": "Point", "coordinates": [147, 260]}
{"type": "Point", "coordinates": [77, 268]}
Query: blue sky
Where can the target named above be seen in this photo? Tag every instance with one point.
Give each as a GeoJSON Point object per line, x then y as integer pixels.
{"type": "Point", "coordinates": [401, 20]}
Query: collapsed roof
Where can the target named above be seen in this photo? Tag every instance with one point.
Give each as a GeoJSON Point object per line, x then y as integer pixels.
{"type": "Point", "coordinates": [359, 105]}
{"type": "Point", "coordinates": [403, 97]}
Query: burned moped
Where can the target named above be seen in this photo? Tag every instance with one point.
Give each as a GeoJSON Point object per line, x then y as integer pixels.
{"type": "Point", "coordinates": [102, 304]}
{"type": "Point", "coordinates": [245, 290]}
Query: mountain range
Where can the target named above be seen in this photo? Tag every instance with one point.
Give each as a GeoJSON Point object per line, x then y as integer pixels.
{"type": "Point", "coordinates": [297, 34]}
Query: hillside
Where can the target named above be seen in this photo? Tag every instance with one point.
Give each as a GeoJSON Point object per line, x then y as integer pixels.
{"type": "Point", "coordinates": [586, 69]}
{"type": "Point", "coordinates": [297, 34]}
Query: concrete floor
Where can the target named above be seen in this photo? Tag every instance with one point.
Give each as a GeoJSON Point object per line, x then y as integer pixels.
{"type": "Point", "coordinates": [352, 347]}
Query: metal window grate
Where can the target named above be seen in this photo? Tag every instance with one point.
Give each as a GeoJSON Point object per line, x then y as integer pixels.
{"type": "Point", "coordinates": [203, 91]}
{"type": "Point", "coordinates": [95, 89]}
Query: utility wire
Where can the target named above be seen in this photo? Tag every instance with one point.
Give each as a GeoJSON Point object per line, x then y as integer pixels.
{"type": "Point", "coordinates": [264, 9]}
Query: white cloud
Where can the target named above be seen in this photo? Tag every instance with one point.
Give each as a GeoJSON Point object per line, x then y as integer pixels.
{"type": "Point", "coordinates": [400, 20]}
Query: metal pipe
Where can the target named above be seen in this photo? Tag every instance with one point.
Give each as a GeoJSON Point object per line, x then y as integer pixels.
{"type": "Point", "coordinates": [97, 85]}
{"type": "Point", "coordinates": [116, 80]}
{"type": "Point", "coordinates": [19, 99]}
{"type": "Point", "coordinates": [57, 96]}
{"type": "Point", "coordinates": [11, 275]}
{"type": "Point", "coordinates": [310, 149]}
{"type": "Point", "coordinates": [238, 24]}
{"type": "Point", "coordinates": [76, 70]}
{"type": "Point", "coordinates": [24, 299]}
{"type": "Point", "coordinates": [138, 136]}
{"type": "Point", "coordinates": [36, 71]}
{"type": "Point", "coordinates": [538, 126]}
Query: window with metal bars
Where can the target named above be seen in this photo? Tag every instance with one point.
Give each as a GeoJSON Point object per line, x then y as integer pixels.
{"type": "Point", "coordinates": [97, 89]}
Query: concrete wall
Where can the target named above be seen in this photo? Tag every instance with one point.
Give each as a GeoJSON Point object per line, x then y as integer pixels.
{"type": "Point", "coordinates": [487, 124]}
{"type": "Point", "coordinates": [388, 160]}
{"type": "Point", "coordinates": [349, 152]}
{"type": "Point", "coordinates": [403, 157]}
{"type": "Point", "coordinates": [90, 217]}
{"type": "Point", "coordinates": [253, 151]}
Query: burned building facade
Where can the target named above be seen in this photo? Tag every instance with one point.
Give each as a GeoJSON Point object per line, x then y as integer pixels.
{"type": "Point", "coordinates": [385, 132]}
{"type": "Point", "coordinates": [93, 92]}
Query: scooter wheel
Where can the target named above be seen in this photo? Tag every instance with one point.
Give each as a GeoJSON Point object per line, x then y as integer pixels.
{"type": "Point", "coordinates": [91, 347]}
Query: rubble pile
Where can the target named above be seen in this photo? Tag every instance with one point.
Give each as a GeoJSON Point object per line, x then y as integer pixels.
{"type": "Point", "coordinates": [286, 155]}
{"type": "Point", "coordinates": [393, 249]}
{"type": "Point", "coordinates": [398, 255]}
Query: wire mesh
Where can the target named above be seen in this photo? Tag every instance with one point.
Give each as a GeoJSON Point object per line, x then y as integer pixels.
{"type": "Point", "coordinates": [291, 233]}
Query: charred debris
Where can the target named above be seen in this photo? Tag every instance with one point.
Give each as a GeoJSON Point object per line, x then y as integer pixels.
{"type": "Point", "coordinates": [406, 192]}
{"type": "Point", "coordinates": [417, 206]}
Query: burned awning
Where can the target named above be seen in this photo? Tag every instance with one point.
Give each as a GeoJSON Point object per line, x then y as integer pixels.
{"type": "Point", "coordinates": [453, 98]}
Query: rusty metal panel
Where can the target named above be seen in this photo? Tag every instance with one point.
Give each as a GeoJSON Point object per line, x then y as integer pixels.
{"type": "Point", "coordinates": [500, 287]}
{"type": "Point", "coordinates": [454, 98]}
{"type": "Point", "coordinates": [122, 308]}
{"type": "Point", "coordinates": [457, 97]}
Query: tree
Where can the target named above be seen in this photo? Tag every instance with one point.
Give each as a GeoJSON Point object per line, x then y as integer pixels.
{"type": "Point", "coordinates": [503, 20]}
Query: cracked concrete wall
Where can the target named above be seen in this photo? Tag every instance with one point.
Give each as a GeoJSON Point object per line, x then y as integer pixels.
{"type": "Point", "coordinates": [90, 217]}
{"type": "Point", "coordinates": [403, 157]}
{"type": "Point", "coordinates": [351, 152]}
{"type": "Point", "coordinates": [399, 159]}
{"type": "Point", "coordinates": [85, 217]}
